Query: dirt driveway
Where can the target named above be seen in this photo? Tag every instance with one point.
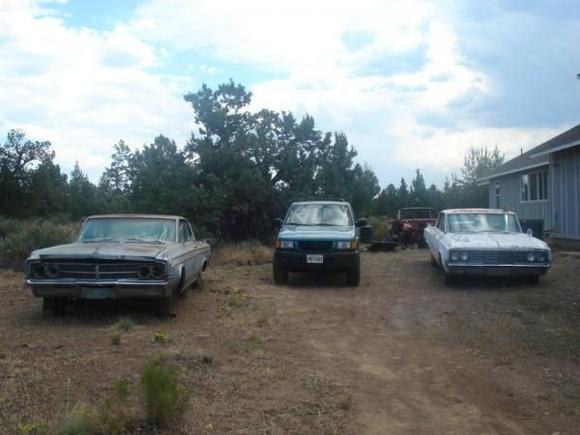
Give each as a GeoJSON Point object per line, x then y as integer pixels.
{"type": "Point", "coordinates": [402, 353]}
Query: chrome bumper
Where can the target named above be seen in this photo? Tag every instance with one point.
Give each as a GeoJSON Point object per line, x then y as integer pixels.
{"type": "Point", "coordinates": [90, 289]}
{"type": "Point", "coordinates": [498, 269]}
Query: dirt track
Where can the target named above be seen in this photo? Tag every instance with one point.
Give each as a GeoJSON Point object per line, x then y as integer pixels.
{"type": "Point", "coordinates": [400, 354]}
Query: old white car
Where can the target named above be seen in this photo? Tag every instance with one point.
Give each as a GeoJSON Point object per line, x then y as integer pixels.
{"type": "Point", "coordinates": [485, 242]}
{"type": "Point", "coordinates": [120, 257]}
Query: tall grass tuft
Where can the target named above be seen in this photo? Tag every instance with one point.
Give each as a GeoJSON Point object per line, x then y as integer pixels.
{"type": "Point", "coordinates": [164, 397]}
{"type": "Point", "coordinates": [243, 253]}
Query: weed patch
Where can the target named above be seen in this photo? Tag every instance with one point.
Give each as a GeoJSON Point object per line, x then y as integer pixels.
{"type": "Point", "coordinates": [164, 398]}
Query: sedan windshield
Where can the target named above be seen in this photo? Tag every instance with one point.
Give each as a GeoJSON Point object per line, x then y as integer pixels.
{"type": "Point", "coordinates": [319, 214]}
{"type": "Point", "coordinates": [126, 229]}
{"type": "Point", "coordinates": [472, 222]}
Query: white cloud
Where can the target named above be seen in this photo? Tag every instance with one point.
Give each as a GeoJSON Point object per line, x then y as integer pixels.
{"type": "Point", "coordinates": [83, 89]}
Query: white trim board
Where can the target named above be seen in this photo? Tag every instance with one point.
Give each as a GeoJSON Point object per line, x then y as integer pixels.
{"type": "Point", "coordinates": [558, 148]}
{"type": "Point", "coordinates": [514, 171]}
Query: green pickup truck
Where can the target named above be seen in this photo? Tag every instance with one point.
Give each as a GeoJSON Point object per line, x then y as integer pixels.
{"type": "Point", "coordinates": [318, 235]}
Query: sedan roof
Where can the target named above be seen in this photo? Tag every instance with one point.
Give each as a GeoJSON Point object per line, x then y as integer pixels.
{"type": "Point", "coordinates": [476, 211]}
{"type": "Point", "coordinates": [135, 216]}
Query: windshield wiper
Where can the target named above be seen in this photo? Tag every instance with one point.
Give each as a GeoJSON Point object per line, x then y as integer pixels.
{"type": "Point", "coordinates": [323, 224]}
{"type": "Point", "coordinates": [142, 241]}
{"type": "Point", "coordinates": [294, 223]}
{"type": "Point", "coordinates": [99, 240]}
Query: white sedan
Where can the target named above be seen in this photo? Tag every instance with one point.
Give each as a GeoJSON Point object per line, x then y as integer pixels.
{"type": "Point", "coordinates": [485, 242]}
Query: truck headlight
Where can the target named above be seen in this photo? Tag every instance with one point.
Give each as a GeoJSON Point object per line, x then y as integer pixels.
{"type": "Point", "coordinates": [454, 256]}
{"type": "Point", "coordinates": [285, 244]}
{"type": "Point", "coordinates": [350, 244]}
{"type": "Point", "coordinates": [541, 257]}
{"type": "Point", "coordinates": [531, 257]}
{"type": "Point", "coordinates": [464, 256]}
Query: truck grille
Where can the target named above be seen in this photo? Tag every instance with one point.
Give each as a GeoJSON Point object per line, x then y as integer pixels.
{"type": "Point", "coordinates": [315, 245]}
{"type": "Point", "coordinates": [99, 269]}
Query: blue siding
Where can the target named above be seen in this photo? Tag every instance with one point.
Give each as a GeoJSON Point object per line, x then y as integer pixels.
{"type": "Point", "coordinates": [510, 198]}
{"type": "Point", "coordinates": [566, 192]}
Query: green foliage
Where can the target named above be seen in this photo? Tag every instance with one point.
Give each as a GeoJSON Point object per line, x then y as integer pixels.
{"type": "Point", "coordinates": [239, 170]}
{"type": "Point", "coordinates": [161, 336]}
{"type": "Point", "coordinates": [164, 398]}
{"type": "Point", "coordinates": [19, 237]}
{"type": "Point", "coordinates": [80, 421]}
{"type": "Point", "coordinates": [30, 428]}
{"type": "Point", "coordinates": [116, 339]}
{"type": "Point", "coordinates": [124, 324]}
{"type": "Point", "coordinates": [113, 415]}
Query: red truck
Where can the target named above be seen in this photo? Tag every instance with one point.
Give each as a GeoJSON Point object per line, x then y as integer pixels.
{"type": "Point", "coordinates": [410, 223]}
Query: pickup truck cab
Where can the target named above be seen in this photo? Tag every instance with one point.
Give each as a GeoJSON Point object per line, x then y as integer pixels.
{"type": "Point", "coordinates": [318, 235]}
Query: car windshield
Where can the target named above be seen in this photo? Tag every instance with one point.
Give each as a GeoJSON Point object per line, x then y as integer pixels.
{"type": "Point", "coordinates": [127, 229]}
{"type": "Point", "coordinates": [473, 222]}
{"type": "Point", "coordinates": [418, 213]}
{"type": "Point", "coordinates": [319, 214]}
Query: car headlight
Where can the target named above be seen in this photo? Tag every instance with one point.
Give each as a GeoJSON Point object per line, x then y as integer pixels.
{"type": "Point", "coordinates": [285, 244]}
{"type": "Point", "coordinates": [454, 256]}
{"type": "Point", "coordinates": [464, 256]}
{"type": "Point", "coordinates": [531, 257]}
{"type": "Point", "coordinates": [541, 257]}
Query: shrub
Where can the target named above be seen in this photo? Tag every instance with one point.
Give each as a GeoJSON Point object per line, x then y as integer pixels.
{"type": "Point", "coordinates": [164, 398]}
{"type": "Point", "coordinates": [161, 336]}
{"type": "Point", "coordinates": [116, 339]}
{"type": "Point", "coordinates": [379, 225]}
{"type": "Point", "coordinates": [18, 238]}
{"type": "Point", "coordinates": [30, 428]}
{"type": "Point", "coordinates": [237, 299]}
{"type": "Point", "coordinates": [124, 324]}
{"type": "Point", "coordinates": [113, 413]}
{"type": "Point", "coordinates": [81, 421]}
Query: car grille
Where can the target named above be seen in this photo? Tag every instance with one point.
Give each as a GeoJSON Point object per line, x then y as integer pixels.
{"type": "Point", "coordinates": [315, 245]}
{"type": "Point", "coordinates": [498, 257]}
{"type": "Point", "coordinates": [98, 270]}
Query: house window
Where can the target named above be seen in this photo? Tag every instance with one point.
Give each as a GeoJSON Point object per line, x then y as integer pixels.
{"type": "Point", "coordinates": [535, 186]}
{"type": "Point", "coordinates": [497, 195]}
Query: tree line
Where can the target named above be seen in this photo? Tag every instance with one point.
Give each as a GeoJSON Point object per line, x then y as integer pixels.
{"type": "Point", "coordinates": [235, 173]}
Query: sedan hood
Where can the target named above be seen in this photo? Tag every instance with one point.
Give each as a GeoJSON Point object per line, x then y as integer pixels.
{"type": "Point", "coordinates": [315, 232]}
{"type": "Point", "coordinates": [101, 250]}
{"type": "Point", "coordinates": [515, 241]}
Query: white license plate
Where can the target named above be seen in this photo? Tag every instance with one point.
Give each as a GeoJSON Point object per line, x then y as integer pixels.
{"type": "Point", "coordinates": [315, 259]}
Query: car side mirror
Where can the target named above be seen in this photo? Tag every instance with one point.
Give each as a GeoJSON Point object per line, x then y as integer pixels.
{"type": "Point", "coordinates": [530, 232]}
{"type": "Point", "coordinates": [362, 222]}
{"type": "Point", "coordinates": [277, 222]}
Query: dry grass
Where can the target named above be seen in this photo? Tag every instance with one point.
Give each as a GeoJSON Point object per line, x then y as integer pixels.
{"type": "Point", "coordinates": [243, 254]}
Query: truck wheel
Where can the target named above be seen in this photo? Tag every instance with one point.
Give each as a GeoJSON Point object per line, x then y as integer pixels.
{"type": "Point", "coordinates": [533, 279]}
{"type": "Point", "coordinates": [167, 307]}
{"type": "Point", "coordinates": [280, 274]}
{"type": "Point", "coordinates": [353, 276]}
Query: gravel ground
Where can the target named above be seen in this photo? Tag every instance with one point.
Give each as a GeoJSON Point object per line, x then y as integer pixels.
{"type": "Point", "coordinates": [402, 353]}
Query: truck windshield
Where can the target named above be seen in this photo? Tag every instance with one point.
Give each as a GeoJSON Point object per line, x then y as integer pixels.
{"type": "Point", "coordinates": [319, 214]}
{"type": "Point", "coordinates": [127, 229]}
{"type": "Point", "coordinates": [418, 213]}
{"type": "Point", "coordinates": [472, 222]}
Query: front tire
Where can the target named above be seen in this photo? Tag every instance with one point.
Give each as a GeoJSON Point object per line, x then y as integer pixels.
{"type": "Point", "coordinates": [55, 305]}
{"type": "Point", "coordinates": [353, 276]}
{"type": "Point", "coordinates": [167, 306]}
{"type": "Point", "coordinates": [280, 274]}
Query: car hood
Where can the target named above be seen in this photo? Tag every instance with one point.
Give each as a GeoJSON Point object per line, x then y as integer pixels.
{"type": "Point", "coordinates": [108, 250]}
{"type": "Point", "coordinates": [494, 241]}
{"type": "Point", "coordinates": [314, 232]}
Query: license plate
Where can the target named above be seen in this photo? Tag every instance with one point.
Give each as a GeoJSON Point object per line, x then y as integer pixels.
{"type": "Point", "coordinates": [95, 292]}
{"type": "Point", "coordinates": [315, 259]}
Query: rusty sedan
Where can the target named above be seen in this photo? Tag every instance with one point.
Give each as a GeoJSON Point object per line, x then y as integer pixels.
{"type": "Point", "coordinates": [120, 257]}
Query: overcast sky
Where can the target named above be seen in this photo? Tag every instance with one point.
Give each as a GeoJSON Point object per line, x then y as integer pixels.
{"type": "Point", "coordinates": [413, 84]}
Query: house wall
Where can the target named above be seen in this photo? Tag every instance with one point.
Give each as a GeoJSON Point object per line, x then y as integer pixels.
{"type": "Point", "coordinates": [510, 198]}
{"type": "Point", "coordinates": [566, 193]}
